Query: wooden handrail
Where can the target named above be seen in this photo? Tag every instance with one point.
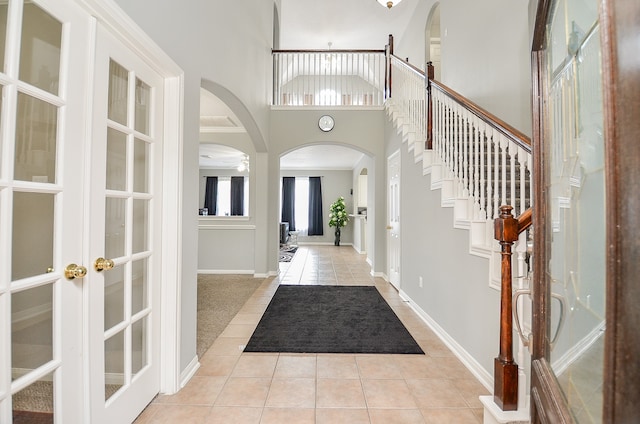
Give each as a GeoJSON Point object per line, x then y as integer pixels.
{"type": "Point", "coordinates": [517, 136]}
{"type": "Point", "coordinates": [525, 220]}
{"type": "Point", "coordinates": [507, 230]}
{"type": "Point", "coordinates": [410, 66]}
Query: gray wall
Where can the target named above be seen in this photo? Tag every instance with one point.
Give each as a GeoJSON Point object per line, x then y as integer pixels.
{"type": "Point", "coordinates": [455, 292]}
{"type": "Point", "coordinates": [485, 54]}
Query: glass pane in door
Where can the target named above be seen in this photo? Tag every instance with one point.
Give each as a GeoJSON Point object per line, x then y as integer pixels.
{"type": "Point", "coordinates": [576, 206]}
{"type": "Point", "coordinates": [114, 351]}
{"type": "Point", "coordinates": [118, 89]}
{"type": "Point", "coordinates": [139, 288]}
{"type": "Point", "coordinates": [34, 403]}
{"type": "Point", "coordinates": [32, 234]}
{"type": "Point", "coordinates": [40, 48]}
{"type": "Point", "coordinates": [36, 140]}
{"type": "Point", "coordinates": [140, 224]}
{"type": "Point", "coordinates": [4, 8]}
{"type": "Point", "coordinates": [139, 356]}
{"type": "Point", "coordinates": [115, 230]}
{"type": "Point", "coordinates": [116, 160]}
{"type": "Point", "coordinates": [114, 296]}
{"type": "Point", "coordinates": [140, 166]}
{"type": "Point", "coordinates": [31, 329]}
{"type": "Point", "coordinates": [143, 101]}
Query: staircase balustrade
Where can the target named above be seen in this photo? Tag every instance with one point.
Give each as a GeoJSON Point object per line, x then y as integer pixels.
{"type": "Point", "coordinates": [408, 100]}
{"type": "Point", "coordinates": [489, 160]}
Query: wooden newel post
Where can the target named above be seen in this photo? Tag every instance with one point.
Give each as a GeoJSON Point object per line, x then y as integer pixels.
{"type": "Point", "coordinates": [430, 75]}
{"type": "Point", "coordinates": [505, 386]}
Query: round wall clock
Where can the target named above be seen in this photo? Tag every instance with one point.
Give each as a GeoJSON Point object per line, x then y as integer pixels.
{"type": "Point", "coordinates": [326, 123]}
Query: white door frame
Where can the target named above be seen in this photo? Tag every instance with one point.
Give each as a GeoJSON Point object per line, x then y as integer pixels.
{"type": "Point", "coordinates": [393, 220]}
{"type": "Point", "coordinates": [109, 14]}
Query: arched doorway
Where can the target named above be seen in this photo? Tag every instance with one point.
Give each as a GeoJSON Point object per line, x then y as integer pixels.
{"type": "Point", "coordinates": [432, 40]}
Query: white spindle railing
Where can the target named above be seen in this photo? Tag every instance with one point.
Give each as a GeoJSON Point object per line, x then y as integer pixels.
{"type": "Point", "coordinates": [408, 96]}
{"type": "Point", "coordinates": [329, 78]}
{"type": "Point", "coordinates": [489, 163]}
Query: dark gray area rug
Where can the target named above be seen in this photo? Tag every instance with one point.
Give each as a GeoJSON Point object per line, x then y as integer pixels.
{"type": "Point", "coordinates": [330, 319]}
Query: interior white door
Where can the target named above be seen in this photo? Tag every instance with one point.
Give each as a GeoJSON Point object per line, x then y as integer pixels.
{"type": "Point", "coordinates": [393, 215]}
{"type": "Point", "coordinates": [125, 233]}
{"type": "Point", "coordinates": [43, 53]}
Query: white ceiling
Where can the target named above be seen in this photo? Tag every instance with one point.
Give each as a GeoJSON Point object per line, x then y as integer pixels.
{"type": "Point", "coordinates": [347, 24]}
{"type": "Point", "coordinates": [310, 24]}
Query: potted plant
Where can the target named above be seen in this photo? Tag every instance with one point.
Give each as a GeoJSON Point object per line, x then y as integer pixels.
{"type": "Point", "coordinates": [338, 217]}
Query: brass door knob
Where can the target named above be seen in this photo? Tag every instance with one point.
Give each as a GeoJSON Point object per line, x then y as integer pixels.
{"type": "Point", "coordinates": [73, 271]}
{"type": "Point", "coordinates": [102, 264]}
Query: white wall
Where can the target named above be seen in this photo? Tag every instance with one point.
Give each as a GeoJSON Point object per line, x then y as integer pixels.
{"type": "Point", "coordinates": [486, 53]}
{"type": "Point", "coordinates": [368, 162]}
{"type": "Point", "coordinates": [455, 292]}
{"type": "Point", "coordinates": [225, 247]}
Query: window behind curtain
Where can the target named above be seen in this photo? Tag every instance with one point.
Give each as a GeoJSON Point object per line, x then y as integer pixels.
{"type": "Point", "coordinates": [301, 204]}
{"type": "Point", "coordinates": [224, 197]}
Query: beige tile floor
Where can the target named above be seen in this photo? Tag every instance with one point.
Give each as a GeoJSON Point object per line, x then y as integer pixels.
{"type": "Point", "coordinates": [236, 387]}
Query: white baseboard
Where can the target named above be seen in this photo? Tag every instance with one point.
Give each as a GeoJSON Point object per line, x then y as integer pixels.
{"type": "Point", "coordinates": [266, 274]}
{"type": "Point", "coordinates": [189, 371]}
{"type": "Point", "coordinates": [380, 275]}
{"type": "Point", "coordinates": [485, 378]}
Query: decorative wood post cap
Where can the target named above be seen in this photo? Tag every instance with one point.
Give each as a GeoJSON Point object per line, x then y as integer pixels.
{"type": "Point", "coordinates": [506, 226]}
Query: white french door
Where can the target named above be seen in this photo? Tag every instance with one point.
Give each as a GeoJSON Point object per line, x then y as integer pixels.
{"type": "Point", "coordinates": [43, 54]}
{"type": "Point", "coordinates": [80, 219]}
{"type": "Point", "coordinates": [393, 215]}
{"type": "Point", "coordinates": [125, 233]}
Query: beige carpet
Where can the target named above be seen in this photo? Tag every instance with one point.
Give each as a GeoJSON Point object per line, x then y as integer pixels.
{"type": "Point", "coordinates": [220, 297]}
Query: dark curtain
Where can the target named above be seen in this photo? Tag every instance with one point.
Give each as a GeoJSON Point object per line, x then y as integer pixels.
{"type": "Point", "coordinates": [237, 196]}
{"type": "Point", "coordinates": [316, 227]}
{"type": "Point", "coordinates": [211, 195]}
{"type": "Point", "coordinates": [289, 201]}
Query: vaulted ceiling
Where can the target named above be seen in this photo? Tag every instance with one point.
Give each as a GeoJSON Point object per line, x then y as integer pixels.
{"type": "Point", "coordinates": [312, 24]}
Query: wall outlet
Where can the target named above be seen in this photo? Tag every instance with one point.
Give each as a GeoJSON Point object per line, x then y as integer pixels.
{"type": "Point", "coordinates": [420, 282]}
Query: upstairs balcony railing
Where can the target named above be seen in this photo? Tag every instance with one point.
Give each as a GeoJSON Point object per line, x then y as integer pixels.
{"type": "Point", "coordinates": [336, 78]}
